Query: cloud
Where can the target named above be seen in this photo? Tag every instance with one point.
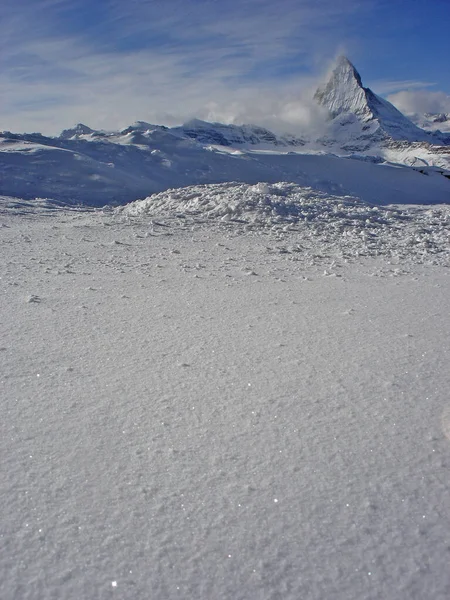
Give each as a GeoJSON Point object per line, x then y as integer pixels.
{"type": "Point", "coordinates": [388, 87]}
{"type": "Point", "coordinates": [112, 62]}
{"type": "Point", "coordinates": [413, 102]}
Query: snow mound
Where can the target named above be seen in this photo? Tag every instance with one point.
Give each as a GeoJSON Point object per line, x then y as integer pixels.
{"type": "Point", "coordinates": [342, 225]}
{"type": "Point", "coordinates": [260, 204]}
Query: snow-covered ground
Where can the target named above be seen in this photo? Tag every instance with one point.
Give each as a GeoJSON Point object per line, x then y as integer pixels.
{"type": "Point", "coordinates": [209, 404]}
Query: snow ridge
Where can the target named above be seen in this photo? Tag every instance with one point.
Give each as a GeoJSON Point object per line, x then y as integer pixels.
{"type": "Point", "coordinates": [439, 123]}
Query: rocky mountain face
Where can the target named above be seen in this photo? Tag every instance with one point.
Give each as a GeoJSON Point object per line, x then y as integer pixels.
{"type": "Point", "coordinates": [76, 132]}
{"type": "Point", "coordinates": [438, 118]}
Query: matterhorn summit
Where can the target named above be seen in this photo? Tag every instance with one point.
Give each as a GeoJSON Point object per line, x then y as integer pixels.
{"type": "Point", "coordinates": [344, 92]}
{"type": "Point", "coordinates": [350, 103]}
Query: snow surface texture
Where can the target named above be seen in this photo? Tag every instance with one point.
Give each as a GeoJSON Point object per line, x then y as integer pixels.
{"type": "Point", "coordinates": [201, 408]}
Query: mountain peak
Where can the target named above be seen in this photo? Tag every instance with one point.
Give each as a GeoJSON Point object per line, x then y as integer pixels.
{"type": "Point", "coordinates": [343, 65]}
{"type": "Point", "coordinates": [345, 97]}
{"type": "Point", "coordinates": [345, 70]}
{"type": "Point", "coordinates": [140, 126]}
{"type": "Point", "coordinates": [79, 129]}
{"type": "Point", "coordinates": [343, 91]}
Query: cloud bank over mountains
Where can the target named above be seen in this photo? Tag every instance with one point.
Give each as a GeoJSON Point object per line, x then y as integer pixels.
{"type": "Point", "coordinates": [413, 102]}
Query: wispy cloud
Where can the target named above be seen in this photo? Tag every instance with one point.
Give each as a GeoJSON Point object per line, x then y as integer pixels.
{"type": "Point", "coordinates": [111, 62]}
{"type": "Point", "coordinates": [413, 102]}
{"type": "Point", "coordinates": [388, 87]}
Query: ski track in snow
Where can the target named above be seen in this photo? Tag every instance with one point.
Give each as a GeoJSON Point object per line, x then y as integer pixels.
{"type": "Point", "coordinates": [247, 399]}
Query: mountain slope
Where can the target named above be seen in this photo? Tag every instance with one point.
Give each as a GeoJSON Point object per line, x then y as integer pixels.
{"type": "Point", "coordinates": [344, 94]}
{"type": "Point", "coordinates": [362, 123]}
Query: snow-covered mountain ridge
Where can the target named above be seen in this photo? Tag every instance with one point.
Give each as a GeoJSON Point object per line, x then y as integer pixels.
{"type": "Point", "coordinates": [435, 122]}
{"type": "Point", "coordinates": [362, 141]}
{"type": "Point", "coordinates": [218, 134]}
{"type": "Point", "coordinates": [99, 171]}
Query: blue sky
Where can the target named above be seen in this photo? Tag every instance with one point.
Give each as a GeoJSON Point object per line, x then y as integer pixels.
{"type": "Point", "coordinates": [110, 62]}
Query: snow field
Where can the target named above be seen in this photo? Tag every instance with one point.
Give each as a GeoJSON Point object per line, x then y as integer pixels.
{"type": "Point", "coordinates": [191, 413]}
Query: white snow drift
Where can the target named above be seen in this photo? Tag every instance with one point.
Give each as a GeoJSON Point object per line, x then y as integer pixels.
{"type": "Point", "coordinates": [331, 224]}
